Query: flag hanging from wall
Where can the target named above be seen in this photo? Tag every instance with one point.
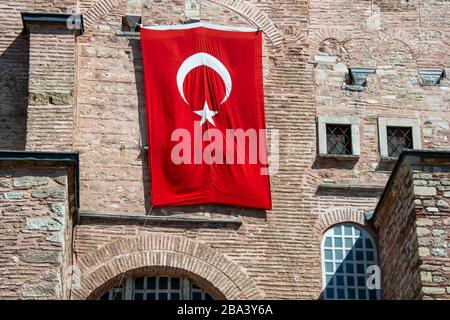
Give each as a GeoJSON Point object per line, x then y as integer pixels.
{"type": "Point", "coordinates": [205, 115]}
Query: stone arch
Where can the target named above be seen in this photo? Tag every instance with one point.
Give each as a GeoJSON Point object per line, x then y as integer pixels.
{"type": "Point", "coordinates": [99, 10]}
{"type": "Point", "coordinates": [336, 216]}
{"type": "Point", "coordinates": [317, 37]}
{"type": "Point", "coordinates": [112, 260]}
{"type": "Point", "coordinates": [408, 40]}
{"type": "Point", "coordinates": [250, 12]}
{"type": "Point", "coordinates": [256, 17]}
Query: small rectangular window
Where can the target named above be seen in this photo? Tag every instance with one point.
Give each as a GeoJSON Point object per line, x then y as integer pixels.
{"type": "Point", "coordinates": [339, 139]}
{"type": "Point", "coordinates": [398, 138]}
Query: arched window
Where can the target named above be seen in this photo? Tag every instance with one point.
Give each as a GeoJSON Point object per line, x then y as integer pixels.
{"type": "Point", "coordinates": [347, 252]}
{"type": "Point", "coordinates": [156, 288]}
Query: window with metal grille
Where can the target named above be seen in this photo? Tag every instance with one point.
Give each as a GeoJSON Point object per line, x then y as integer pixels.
{"type": "Point", "coordinates": [347, 253]}
{"type": "Point", "coordinates": [156, 288]}
{"type": "Point", "coordinates": [339, 139]}
{"type": "Point", "coordinates": [398, 138]}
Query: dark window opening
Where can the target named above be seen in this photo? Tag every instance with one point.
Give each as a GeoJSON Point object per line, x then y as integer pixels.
{"type": "Point", "coordinates": [131, 23]}
{"type": "Point", "coordinates": [398, 138]}
{"type": "Point", "coordinates": [339, 139]}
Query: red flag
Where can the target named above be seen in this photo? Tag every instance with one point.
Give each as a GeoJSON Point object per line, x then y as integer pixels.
{"type": "Point", "coordinates": [205, 115]}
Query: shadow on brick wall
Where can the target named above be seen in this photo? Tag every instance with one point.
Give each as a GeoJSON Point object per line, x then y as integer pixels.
{"type": "Point", "coordinates": [135, 45]}
{"type": "Point", "coordinates": [14, 71]}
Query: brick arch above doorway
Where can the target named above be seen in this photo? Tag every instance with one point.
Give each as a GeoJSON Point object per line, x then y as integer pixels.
{"type": "Point", "coordinates": [159, 250]}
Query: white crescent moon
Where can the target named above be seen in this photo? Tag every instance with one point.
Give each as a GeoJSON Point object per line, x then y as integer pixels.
{"type": "Point", "coordinates": [203, 59]}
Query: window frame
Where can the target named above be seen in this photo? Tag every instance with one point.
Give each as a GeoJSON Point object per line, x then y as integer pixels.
{"type": "Point", "coordinates": [323, 260]}
{"type": "Point", "coordinates": [128, 290]}
{"type": "Point", "coordinates": [323, 121]}
{"type": "Point", "coordinates": [383, 123]}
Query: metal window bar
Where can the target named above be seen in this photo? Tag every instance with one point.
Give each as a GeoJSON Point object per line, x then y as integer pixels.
{"type": "Point", "coordinates": [156, 288]}
{"type": "Point", "coordinates": [339, 139]}
{"type": "Point", "coordinates": [398, 138]}
{"type": "Point", "coordinates": [347, 252]}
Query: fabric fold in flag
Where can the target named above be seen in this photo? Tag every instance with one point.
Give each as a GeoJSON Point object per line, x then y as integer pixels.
{"type": "Point", "coordinates": [205, 115]}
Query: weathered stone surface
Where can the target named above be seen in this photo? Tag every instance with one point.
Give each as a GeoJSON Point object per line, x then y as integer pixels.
{"type": "Point", "coordinates": [424, 222]}
{"type": "Point", "coordinates": [43, 223]}
{"type": "Point", "coordinates": [438, 233]}
{"type": "Point", "coordinates": [426, 276]}
{"type": "Point", "coordinates": [424, 191]}
{"type": "Point", "coordinates": [62, 180]}
{"type": "Point", "coordinates": [55, 237]}
{"type": "Point", "coordinates": [442, 204]}
{"type": "Point", "coordinates": [61, 98]}
{"type": "Point", "coordinates": [5, 183]}
{"type": "Point", "coordinates": [41, 256]}
{"type": "Point", "coordinates": [433, 290]}
{"type": "Point", "coordinates": [432, 210]}
{"type": "Point", "coordinates": [29, 182]}
{"type": "Point", "coordinates": [422, 231]}
{"type": "Point", "coordinates": [48, 192]}
{"type": "Point", "coordinates": [51, 275]}
{"type": "Point", "coordinates": [424, 252]}
{"type": "Point", "coordinates": [38, 98]}
{"type": "Point", "coordinates": [39, 290]}
{"type": "Point", "coordinates": [439, 252]}
{"type": "Point", "coordinates": [58, 208]}
{"type": "Point", "coordinates": [14, 195]}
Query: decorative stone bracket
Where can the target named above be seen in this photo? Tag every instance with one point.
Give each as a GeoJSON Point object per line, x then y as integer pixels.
{"type": "Point", "coordinates": [358, 77]}
{"type": "Point", "coordinates": [431, 77]}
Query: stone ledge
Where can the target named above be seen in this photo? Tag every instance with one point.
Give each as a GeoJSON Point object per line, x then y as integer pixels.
{"type": "Point", "coordinates": [340, 157]}
{"type": "Point", "coordinates": [388, 159]}
{"type": "Point", "coordinates": [346, 187]}
{"type": "Point", "coordinates": [132, 34]}
{"type": "Point", "coordinates": [70, 21]}
{"type": "Point", "coordinates": [159, 219]}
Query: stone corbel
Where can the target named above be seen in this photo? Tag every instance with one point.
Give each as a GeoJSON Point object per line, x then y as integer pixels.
{"type": "Point", "coordinates": [358, 77]}
{"type": "Point", "coordinates": [431, 76]}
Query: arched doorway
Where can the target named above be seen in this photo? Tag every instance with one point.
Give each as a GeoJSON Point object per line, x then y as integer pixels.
{"type": "Point", "coordinates": [165, 256]}
{"type": "Point", "coordinates": [156, 287]}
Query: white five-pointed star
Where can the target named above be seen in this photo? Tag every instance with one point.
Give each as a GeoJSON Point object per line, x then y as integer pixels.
{"type": "Point", "coordinates": [206, 114]}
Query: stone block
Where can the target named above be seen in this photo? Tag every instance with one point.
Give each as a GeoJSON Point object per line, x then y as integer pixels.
{"type": "Point", "coordinates": [424, 191]}
{"type": "Point", "coordinates": [442, 204]}
{"type": "Point", "coordinates": [27, 182]}
{"type": "Point", "coordinates": [439, 252]}
{"type": "Point", "coordinates": [43, 223]}
{"type": "Point", "coordinates": [39, 290]}
{"type": "Point", "coordinates": [14, 195]}
{"type": "Point", "coordinates": [41, 256]}
{"type": "Point", "coordinates": [433, 290]}
{"type": "Point", "coordinates": [424, 222]}
{"type": "Point", "coordinates": [58, 208]}
{"type": "Point", "coordinates": [48, 192]}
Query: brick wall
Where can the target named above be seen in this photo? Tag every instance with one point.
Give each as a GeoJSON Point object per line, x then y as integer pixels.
{"type": "Point", "coordinates": [35, 232]}
{"type": "Point", "coordinates": [432, 210]}
{"type": "Point", "coordinates": [398, 253]}
{"type": "Point", "coordinates": [52, 64]}
{"type": "Point", "coordinates": [14, 68]}
{"type": "Point", "coordinates": [279, 249]}
{"type": "Point", "coordinates": [413, 229]}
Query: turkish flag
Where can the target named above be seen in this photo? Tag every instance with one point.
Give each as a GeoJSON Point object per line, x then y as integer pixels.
{"type": "Point", "coordinates": [205, 115]}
